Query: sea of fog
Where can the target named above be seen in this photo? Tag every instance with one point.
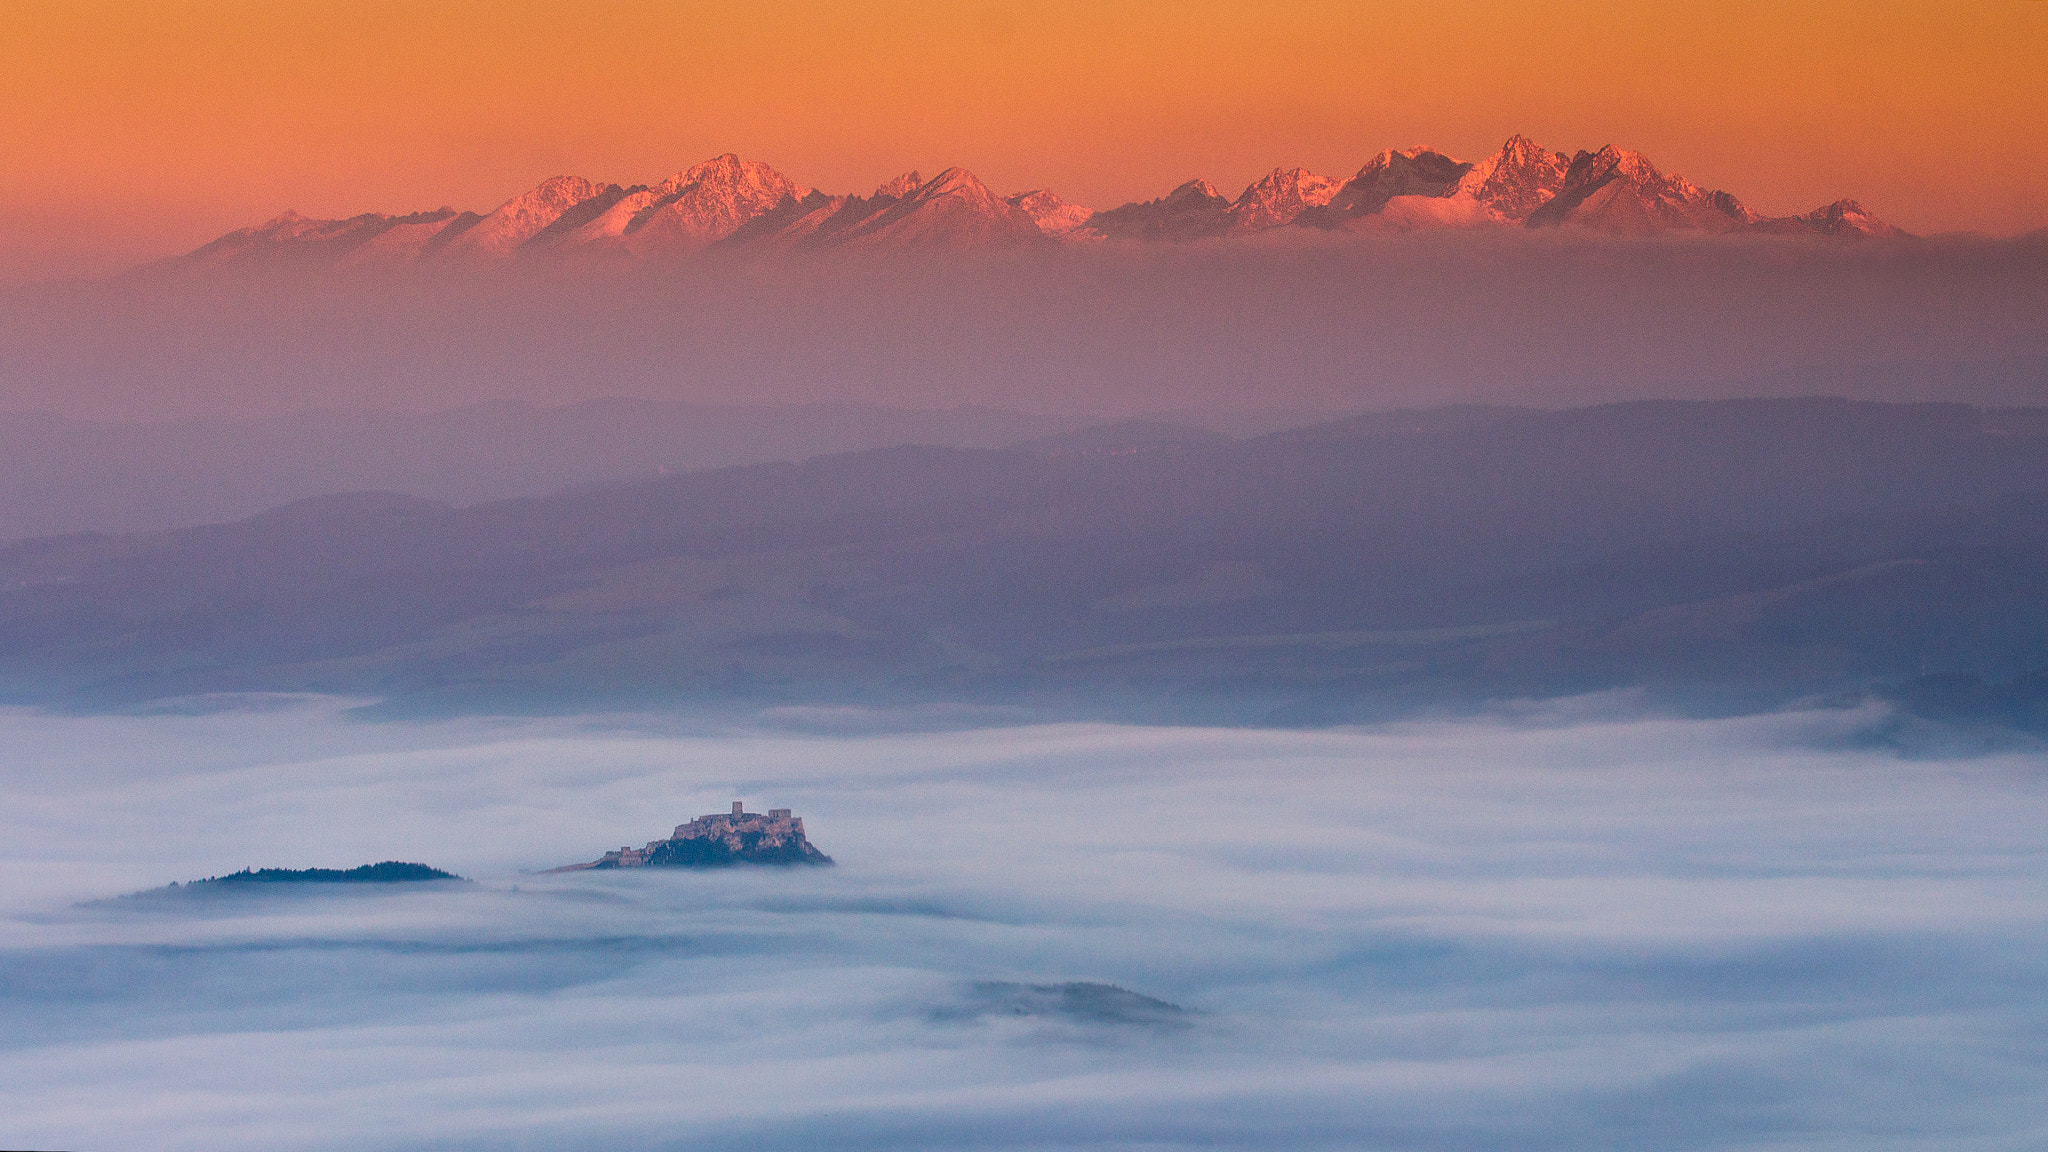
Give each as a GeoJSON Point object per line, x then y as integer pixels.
{"type": "Point", "coordinates": [1551, 929]}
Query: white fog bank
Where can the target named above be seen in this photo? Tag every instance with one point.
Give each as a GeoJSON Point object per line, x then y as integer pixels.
{"type": "Point", "coordinates": [1536, 933]}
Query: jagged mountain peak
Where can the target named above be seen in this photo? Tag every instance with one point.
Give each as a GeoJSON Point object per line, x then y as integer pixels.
{"type": "Point", "coordinates": [685, 211]}
{"type": "Point", "coordinates": [1843, 219]}
{"type": "Point", "coordinates": [1516, 180]}
{"type": "Point", "coordinates": [1289, 180]}
{"type": "Point", "coordinates": [1422, 159]}
{"type": "Point", "coordinates": [959, 185]}
{"type": "Point", "coordinates": [1054, 216]}
{"type": "Point", "coordinates": [1612, 162]}
{"type": "Point", "coordinates": [698, 206]}
{"type": "Point", "coordinates": [1393, 172]}
{"type": "Point", "coordinates": [1618, 190]}
{"type": "Point", "coordinates": [567, 189]}
{"type": "Point", "coordinates": [1278, 197]}
{"type": "Point", "coordinates": [952, 211]}
{"type": "Point", "coordinates": [896, 188]}
{"type": "Point", "coordinates": [729, 170]}
{"type": "Point", "coordinates": [521, 218]}
{"type": "Point", "coordinates": [1190, 212]}
{"type": "Point", "coordinates": [727, 164]}
{"type": "Point", "coordinates": [1389, 157]}
{"type": "Point", "coordinates": [1624, 162]}
{"type": "Point", "coordinates": [550, 197]}
{"type": "Point", "coordinates": [954, 181]}
{"type": "Point", "coordinates": [1849, 218]}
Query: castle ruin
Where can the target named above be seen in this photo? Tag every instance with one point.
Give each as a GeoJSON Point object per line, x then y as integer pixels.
{"type": "Point", "coordinates": [721, 838]}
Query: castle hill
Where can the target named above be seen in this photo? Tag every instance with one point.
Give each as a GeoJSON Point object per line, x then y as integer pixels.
{"type": "Point", "coordinates": [719, 840]}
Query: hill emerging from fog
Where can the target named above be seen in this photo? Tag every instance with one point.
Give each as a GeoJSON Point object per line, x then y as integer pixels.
{"type": "Point", "coordinates": [273, 880]}
{"type": "Point", "coordinates": [1719, 554]}
{"type": "Point", "coordinates": [385, 872]}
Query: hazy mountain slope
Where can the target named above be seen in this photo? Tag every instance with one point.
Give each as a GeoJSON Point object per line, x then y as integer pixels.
{"type": "Point", "coordinates": [1752, 548]}
{"type": "Point", "coordinates": [513, 223]}
{"type": "Point", "coordinates": [950, 212]}
{"type": "Point", "coordinates": [1843, 218]}
{"type": "Point", "coordinates": [812, 221]}
{"type": "Point", "coordinates": [593, 223]}
{"type": "Point", "coordinates": [1190, 212]}
{"type": "Point", "coordinates": [292, 238]}
{"type": "Point", "coordinates": [1054, 216]}
{"type": "Point", "coordinates": [67, 475]}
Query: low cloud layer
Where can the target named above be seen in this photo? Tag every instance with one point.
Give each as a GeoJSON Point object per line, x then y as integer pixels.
{"type": "Point", "coordinates": [1547, 931]}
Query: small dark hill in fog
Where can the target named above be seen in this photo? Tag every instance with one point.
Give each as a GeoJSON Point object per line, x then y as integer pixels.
{"type": "Point", "coordinates": [386, 872]}
{"type": "Point", "coordinates": [1074, 1002]}
{"type": "Point", "coordinates": [1729, 554]}
{"type": "Point", "coordinates": [363, 877]}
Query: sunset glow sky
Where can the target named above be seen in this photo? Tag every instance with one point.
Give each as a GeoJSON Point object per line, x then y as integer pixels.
{"type": "Point", "coordinates": [133, 128]}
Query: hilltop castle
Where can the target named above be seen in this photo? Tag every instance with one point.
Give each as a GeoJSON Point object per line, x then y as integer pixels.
{"type": "Point", "coordinates": [718, 840]}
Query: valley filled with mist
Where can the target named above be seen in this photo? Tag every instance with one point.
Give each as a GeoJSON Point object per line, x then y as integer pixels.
{"type": "Point", "coordinates": [1558, 927]}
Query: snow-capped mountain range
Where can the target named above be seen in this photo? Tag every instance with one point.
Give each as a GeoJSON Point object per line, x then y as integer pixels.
{"type": "Point", "coordinates": [733, 203]}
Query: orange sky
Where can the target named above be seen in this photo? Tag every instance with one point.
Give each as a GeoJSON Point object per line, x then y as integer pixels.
{"type": "Point", "coordinates": [137, 127]}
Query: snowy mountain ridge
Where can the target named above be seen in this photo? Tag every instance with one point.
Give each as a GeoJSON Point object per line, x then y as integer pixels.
{"type": "Point", "coordinates": [731, 202]}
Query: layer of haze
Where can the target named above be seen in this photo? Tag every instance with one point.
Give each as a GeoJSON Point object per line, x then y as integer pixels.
{"type": "Point", "coordinates": [137, 128]}
{"type": "Point", "coordinates": [1303, 323]}
{"type": "Point", "coordinates": [1561, 929]}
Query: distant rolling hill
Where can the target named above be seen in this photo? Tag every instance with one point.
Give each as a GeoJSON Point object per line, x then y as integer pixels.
{"type": "Point", "coordinates": [1717, 554]}
{"type": "Point", "coordinates": [61, 474]}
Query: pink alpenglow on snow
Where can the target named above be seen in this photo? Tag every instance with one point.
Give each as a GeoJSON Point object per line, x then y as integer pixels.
{"type": "Point", "coordinates": [1279, 198]}
{"type": "Point", "coordinates": [729, 202]}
